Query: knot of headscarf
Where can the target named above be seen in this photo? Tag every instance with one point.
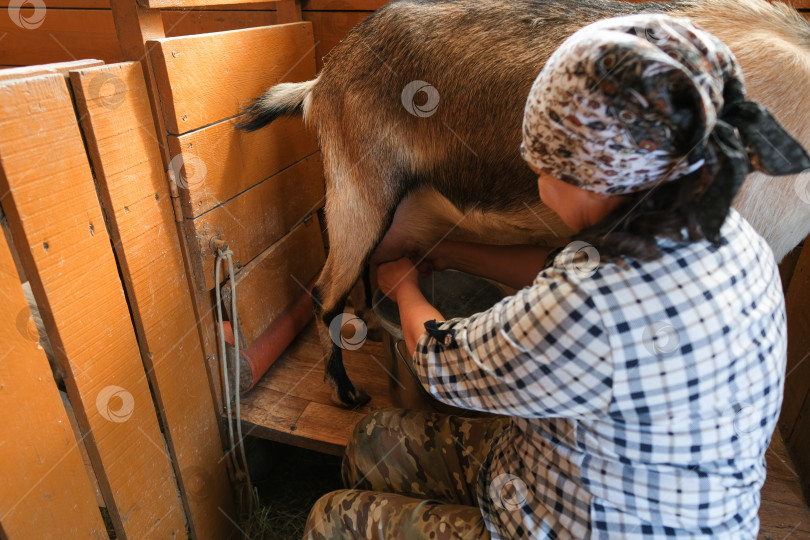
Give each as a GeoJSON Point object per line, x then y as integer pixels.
{"type": "Point", "coordinates": [627, 103]}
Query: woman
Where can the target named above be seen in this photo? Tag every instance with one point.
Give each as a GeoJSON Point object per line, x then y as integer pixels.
{"type": "Point", "coordinates": [641, 371]}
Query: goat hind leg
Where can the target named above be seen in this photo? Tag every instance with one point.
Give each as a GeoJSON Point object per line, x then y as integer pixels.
{"type": "Point", "coordinates": [353, 235]}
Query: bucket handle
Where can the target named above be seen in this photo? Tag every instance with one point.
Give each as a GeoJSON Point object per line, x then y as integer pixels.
{"type": "Point", "coordinates": [403, 360]}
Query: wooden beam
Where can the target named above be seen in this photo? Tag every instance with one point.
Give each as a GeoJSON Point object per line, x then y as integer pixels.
{"type": "Point", "coordinates": [133, 188]}
{"type": "Point", "coordinates": [58, 227]}
{"type": "Point", "coordinates": [39, 456]}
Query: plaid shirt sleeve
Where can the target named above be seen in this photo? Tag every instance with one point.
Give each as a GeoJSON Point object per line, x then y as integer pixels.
{"type": "Point", "coordinates": [543, 352]}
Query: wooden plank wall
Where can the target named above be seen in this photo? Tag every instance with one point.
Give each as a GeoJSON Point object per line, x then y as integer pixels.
{"type": "Point", "coordinates": [39, 455]}
{"type": "Point", "coordinates": [123, 148]}
{"type": "Point", "coordinates": [246, 189]}
{"type": "Point", "coordinates": [58, 227]}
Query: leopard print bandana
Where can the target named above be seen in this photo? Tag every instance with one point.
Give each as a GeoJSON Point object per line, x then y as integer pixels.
{"type": "Point", "coordinates": [623, 102]}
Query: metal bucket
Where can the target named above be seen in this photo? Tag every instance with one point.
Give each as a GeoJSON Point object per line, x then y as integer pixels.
{"type": "Point", "coordinates": [454, 294]}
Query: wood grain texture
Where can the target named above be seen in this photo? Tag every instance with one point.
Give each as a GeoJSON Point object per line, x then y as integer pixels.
{"type": "Point", "coordinates": [188, 4]}
{"type": "Point", "coordinates": [292, 404]}
{"type": "Point", "coordinates": [126, 159]}
{"type": "Point", "coordinates": [39, 455]}
{"type": "Point", "coordinates": [276, 279]}
{"type": "Point", "coordinates": [231, 161]}
{"type": "Point", "coordinates": [58, 227]}
{"type": "Point", "coordinates": [187, 23]}
{"type": "Point", "coordinates": [204, 79]}
{"type": "Point", "coordinates": [46, 69]}
{"type": "Point", "coordinates": [64, 35]}
{"type": "Point", "coordinates": [794, 420]}
{"type": "Point", "coordinates": [330, 27]}
{"type": "Point", "coordinates": [255, 219]}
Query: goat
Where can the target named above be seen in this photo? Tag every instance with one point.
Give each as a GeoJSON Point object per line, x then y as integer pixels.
{"type": "Point", "coordinates": [449, 161]}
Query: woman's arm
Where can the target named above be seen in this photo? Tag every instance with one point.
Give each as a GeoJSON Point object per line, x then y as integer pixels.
{"type": "Point", "coordinates": [398, 280]}
{"type": "Point", "coordinates": [515, 266]}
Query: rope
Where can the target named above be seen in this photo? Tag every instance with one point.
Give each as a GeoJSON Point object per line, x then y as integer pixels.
{"type": "Point", "coordinates": [224, 253]}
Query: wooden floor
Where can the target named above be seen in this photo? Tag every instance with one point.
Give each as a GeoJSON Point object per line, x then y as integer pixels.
{"type": "Point", "coordinates": [291, 404]}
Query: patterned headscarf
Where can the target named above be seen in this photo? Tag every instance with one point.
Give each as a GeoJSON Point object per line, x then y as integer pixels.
{"type": "Point", "coordinates": [629, 102]}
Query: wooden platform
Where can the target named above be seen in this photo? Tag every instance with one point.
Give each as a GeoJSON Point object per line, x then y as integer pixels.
{"type": "Point", "coordinates": [291, 404]}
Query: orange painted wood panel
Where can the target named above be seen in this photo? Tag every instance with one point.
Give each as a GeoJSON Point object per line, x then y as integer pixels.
{"type": "Point", "coordinates": [57, 35]}
{"type": "Point", "coordinates": [275, 280]}
{"type": "Point", "coordinates": [117, 123]}
{"type": "Point", "coordinates": [204, 79]}
{"type": "Point", "coordinates": [45, 491]}
{"type": "Point", "coordinates": [59, 230]}
{"type": "Point", "coordinates": [255, 219]}
{"type": "Point", "coordinates": [219, 162]}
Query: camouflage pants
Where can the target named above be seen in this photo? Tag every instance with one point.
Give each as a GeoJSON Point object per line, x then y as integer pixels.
{"type": "Point", "coordinates": [412, 475]}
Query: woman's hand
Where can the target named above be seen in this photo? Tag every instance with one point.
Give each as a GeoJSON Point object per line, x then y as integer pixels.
{"type": "Point", "coordinates": [396, 275]}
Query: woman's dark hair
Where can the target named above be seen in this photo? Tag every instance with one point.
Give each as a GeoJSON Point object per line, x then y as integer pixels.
{"type": "Point", "coordinates": [666, 210]}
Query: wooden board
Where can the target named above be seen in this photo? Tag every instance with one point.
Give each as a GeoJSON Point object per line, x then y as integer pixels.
{"type": "Point", "coordinates": [58, 227]}
{"type": "Point", "coordinates": [330, 27]}
{"type": "Point", "coordinates": [794, 420]}
{"type": "Point", "coordinates": [45, 69]}
{"type": "Point", "coordinates": [204, 79]}
{"type": "Point", "coordinates": [292, 404]}
{"type": "Point", "coordinates": [186, 23]}
{"type": "Point", "coordinates": [271, 284]}
{"type": "Point", "coordinates": [255, 219]}
{"type": "Point", "coordinates": [167, 4]}
{"type": "Point", "coordinates": [233, 161]}
{"type": "Point", "coordinates": [38, 454]}
{"type": "Point", "coordinates": [121, 139]}
{"type": "Point", "coordinates": [64, 35]}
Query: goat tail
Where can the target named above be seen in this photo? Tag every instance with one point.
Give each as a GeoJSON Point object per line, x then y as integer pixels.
{"type": "Point", "coordinates": [281, 99]}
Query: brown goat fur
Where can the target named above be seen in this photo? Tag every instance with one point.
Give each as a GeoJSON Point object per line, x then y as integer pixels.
{"type": "Point", "coordinates": [457, 169]}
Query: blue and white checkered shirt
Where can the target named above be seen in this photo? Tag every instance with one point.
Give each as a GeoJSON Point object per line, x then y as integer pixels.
{"type": "Point", "coordinates": [643, 394]}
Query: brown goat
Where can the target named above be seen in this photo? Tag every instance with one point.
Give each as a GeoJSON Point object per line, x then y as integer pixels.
{"type": "Point", "coordinates": [418, 113]}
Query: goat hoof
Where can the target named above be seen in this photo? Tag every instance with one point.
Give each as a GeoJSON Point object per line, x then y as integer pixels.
{"type": "Point", "coordinates": [351, 399]}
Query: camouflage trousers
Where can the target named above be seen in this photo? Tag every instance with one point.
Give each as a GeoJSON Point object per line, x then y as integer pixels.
{"type": "Point", "coordinates": [411, 475]}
